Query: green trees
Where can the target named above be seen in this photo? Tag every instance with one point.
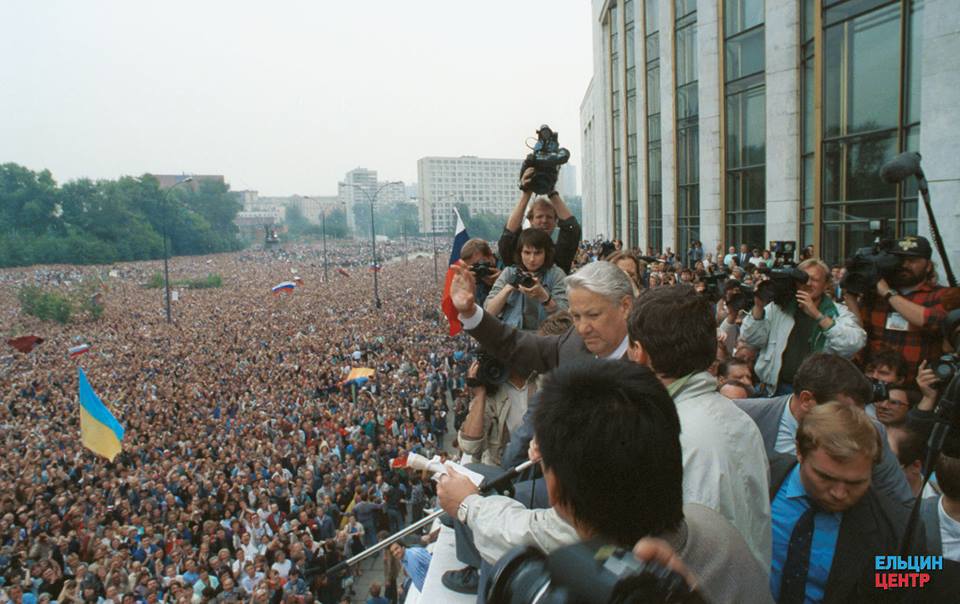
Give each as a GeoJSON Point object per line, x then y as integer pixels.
{"type": "Point", "coordinates": [87, 222]}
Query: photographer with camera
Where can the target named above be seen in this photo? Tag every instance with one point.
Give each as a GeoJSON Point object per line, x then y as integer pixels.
{"type": "Point", "coordinates": [476, 254]}
{"type": "Point", "coordinates": [787, 331]}
{"type": "Point", "coordinates": [545, 214]}
{"type": "Point", "coordinates": [527, 293]}
{"type": "Point", "coordinates": [904, 308]}
{"type": "Point", "coordinates": [612, 482]}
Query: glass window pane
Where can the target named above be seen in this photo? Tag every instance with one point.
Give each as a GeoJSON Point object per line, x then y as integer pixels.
{"type": "Point", "coordinates": [686, 58]}
{"type": "Point", "coordinates": [653, 128]}
{"type": "Point", "coordinates": [806, 33]}
{"type": "Point", "coordinates": [914, 45]}
{"type": "Point", "coordinates": [744, 55]}
{"type": "Point", "coordinates": [653, 90]}
{"type": "Point", "coordinates": [653, 169]}
{"type": "Point", "coordinates": [862, 72]}
{"type": "Point", "coordinates": [687, 101]}
{"type": "Point", "coordinates": [628, 11]}
{"type": "Point", "coordinates": [755, 120]}
{"type": "Point", "coordinates": [807, 167]}
{"type": "Point", "coordinates": [808, 102]}
{"type": "Point", "coordinates": [653, 46]}
{"type": "Point", "coordinates": [652, 15]}
{"type": "Point", "coordinates": [851, 168]}
{"type": "Point", "coordinates": [741, 14]}
{"type": "Point", "coordinates": [629, 58]}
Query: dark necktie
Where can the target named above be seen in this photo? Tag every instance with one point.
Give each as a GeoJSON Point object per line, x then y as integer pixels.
{"type": "Point", "coordinates": [797, 564]}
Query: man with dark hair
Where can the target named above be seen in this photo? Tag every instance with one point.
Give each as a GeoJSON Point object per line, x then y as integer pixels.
{"type": "Point", "coordinates": [909, 445]}
{"type": "Point", "coordinates": [612, 482]}
{"type": "Point", "coordinates": [673, 332]}
{"type": "Point", "coordinates": [735, 370]}
{"type": "Point", "coordinates": [823, 378]}
{"type": "Point", "coordinates": [545, 214]}
{"type": "Point", "coordinates": [941, 515]}
{"type": "Point", "coordinates": [886, 366]}
{"type": "Point", "coordinates": [906, 313]}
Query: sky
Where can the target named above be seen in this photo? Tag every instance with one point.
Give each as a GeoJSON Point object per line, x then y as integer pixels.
{"type": "Point", "coordinates": [285, 97]}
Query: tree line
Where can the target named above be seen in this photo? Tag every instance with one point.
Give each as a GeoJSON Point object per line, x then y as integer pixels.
{"type": "Point", "coordinates": [105, 221]}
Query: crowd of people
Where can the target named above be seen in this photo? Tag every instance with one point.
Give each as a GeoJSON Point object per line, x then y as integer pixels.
{"type": "Point", "coordinates": [247, 468]}
{"type": "Point", "coordinates": [760, 432]}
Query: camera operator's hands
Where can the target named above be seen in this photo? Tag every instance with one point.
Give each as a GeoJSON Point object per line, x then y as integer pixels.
{"type": "Point", "coordinates": [463, 289]}
{"type": "Point", "coordinates": [926, 382]}
{"type": "Point", "coordinates": [537, 292]}
{"type": "Point", "coordinates": [472, 374]}
{"type": "Point", "coordinates": [651, 549]}
{"type": "Point", "coordinates": [453, 488]}
{"type": "Point", "coordinates": [533, 450]}
{"type": "Point", "coordinates": [525, 179]}
{"type": "Point", "coordinates": [882, 287]}
{"type": "Point", "coordinates": [807, 305]}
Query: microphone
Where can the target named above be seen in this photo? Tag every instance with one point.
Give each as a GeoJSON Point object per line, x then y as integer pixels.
{"type": "Point", "coordinates": [901, 167]}
{"type": "Point", "coordinates": [420, 463]}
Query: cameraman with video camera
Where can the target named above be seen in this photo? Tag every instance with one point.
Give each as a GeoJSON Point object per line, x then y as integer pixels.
{"type": "Point", "coordinates": [905, 312]}
{"type": "Point", "coordinates": [546, 214]}
{"type": "Point", "coordinates": [785, 332]}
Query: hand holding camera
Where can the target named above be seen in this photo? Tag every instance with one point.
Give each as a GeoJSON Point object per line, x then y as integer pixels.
{"type": "Point", "coordinates": [532, 288]}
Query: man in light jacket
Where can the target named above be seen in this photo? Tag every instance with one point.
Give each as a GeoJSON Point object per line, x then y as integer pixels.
{"type": "Point", "coordinates": [785, 336]}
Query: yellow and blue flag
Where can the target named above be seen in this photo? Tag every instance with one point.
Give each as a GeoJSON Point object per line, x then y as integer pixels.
{"type": "Point", "coordinates": [99, 429]}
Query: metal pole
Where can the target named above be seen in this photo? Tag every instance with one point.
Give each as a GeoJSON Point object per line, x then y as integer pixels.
{"type": "Point", "coordinates": [436, 271]}
{"type": "Point", "coordinates": [373, 244]}
{"type": "Point", "coordinates": [323, 221]}
{"type": "Point", "coordinates": [166, 268]}
{"type": "Point", "coordinates": [382, 545]}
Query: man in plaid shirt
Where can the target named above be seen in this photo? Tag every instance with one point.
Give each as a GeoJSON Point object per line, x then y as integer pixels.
{"type": "Point", "coordinates": [907, 314]}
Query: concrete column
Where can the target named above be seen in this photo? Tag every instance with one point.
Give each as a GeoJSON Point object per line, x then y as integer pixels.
{"type": "Point", "coordinates": [708, 91]}
{"type": "Point", "coordinates": [782, 23]}
{"type": "Point", "coordinates": [939, 144]}
{"type": "Point", "coordinates": [668, 113]}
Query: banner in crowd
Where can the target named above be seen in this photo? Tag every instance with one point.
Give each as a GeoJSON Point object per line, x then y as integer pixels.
{"type": "Point", "coordinates": [99, 429]}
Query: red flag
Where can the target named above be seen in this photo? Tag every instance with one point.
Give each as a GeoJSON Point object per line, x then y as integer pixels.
{"type": "Point", "coordinates": [460, 238]}
{"type": "Point", "coordinates": [398, 462]}
{"type": "Point", "coordinates": [25, 343]}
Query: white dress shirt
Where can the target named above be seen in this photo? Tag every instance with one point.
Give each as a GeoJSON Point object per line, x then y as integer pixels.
{"type": "Point", "coordinates": [949, 534]}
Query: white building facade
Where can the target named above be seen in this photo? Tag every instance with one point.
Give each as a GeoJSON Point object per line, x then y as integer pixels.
{"type": "Point", "coordinates": [752, 121]}
{"type": "Point", "coordinates": [485, 185]}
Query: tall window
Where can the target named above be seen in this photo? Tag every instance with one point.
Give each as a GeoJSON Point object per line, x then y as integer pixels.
{"type": "Point", "coordinates": [808, 125]}
{"type": "Point", "coordinates": [613, 25]}
{"type": "Point", "coordinates": [633, 198]}
{"type": "Point", "coordinates": [871, 111]}
{"type": "Point", "coordinates": [654, 185]}
{"type": "Point", "coordinates": [688, 132]}
{"type": "Point", "coordinates": [745, 112]}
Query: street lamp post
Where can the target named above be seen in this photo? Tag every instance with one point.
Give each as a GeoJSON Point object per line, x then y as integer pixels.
{"type": "Point", "coordinates": [323, 221]}
{"type": "Point", "coordinates": [166, 267]}
{"type": "Point", "coordinates": [373, 237]}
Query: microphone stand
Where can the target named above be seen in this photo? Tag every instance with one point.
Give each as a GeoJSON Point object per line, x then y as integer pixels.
{"type": "Point", "coordinates": [488, 485]}
{"type": "Point", "coordinates": [934, 229]}
{"type": "Point", "coordinates": [945, 417]}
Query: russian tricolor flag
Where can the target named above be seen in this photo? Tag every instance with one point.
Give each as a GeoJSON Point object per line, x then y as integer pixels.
{"type": "Point", "coordinates": [286, 286]}
{"type": "Point", "coordinates": [76, 351]}
{"type": "Point", "coordinates": [460, 238]}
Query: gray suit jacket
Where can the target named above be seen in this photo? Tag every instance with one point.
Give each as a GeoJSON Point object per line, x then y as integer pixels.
{"type": "Point", "coordinates": [888, 478]}
{"type": "Point", "coordinates": [526, 352]}
{"type": "Point", "coordinates": [930, 514]}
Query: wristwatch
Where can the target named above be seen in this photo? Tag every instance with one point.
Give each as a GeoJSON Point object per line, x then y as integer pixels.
{"type": "Point", "coordinates": [462, 512]}
{"type": "Point", "coordinates": [552, 193]}
{"type": "Point", "coordinates": [890, 293]}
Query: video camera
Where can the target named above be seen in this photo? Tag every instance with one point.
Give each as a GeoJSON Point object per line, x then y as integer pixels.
{"type": "Point", "coordinates": [584, 574]}
{"type": "Point", "coordinates": [948, 365]}
{"type": "Point", "coordinates": [869, 264]}
{"type": "Point", "coordinates": [546, 159]}
{"type": "Point", "coordinates": [780, 287]}
{"type": "Point", "coordinates": [491, 372]}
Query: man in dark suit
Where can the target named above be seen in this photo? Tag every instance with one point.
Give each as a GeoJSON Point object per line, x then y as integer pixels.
{"type": "Point", "coordinates": [600, 296]}
{"type": "Point", "coordinates": [822, 378]}
{"type": "Point", "coordinates": [829, 523]}
{"type": "Point", "coordinates": [600, 299]}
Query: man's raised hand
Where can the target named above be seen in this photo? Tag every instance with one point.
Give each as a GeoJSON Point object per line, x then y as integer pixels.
{"type": "Point", "coordinates": [463, 289]}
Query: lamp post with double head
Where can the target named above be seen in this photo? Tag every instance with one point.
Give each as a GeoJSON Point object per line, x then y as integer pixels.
{"type": "Point", "coordinates": [166, 267]}
{"type": "Point", "coordinates": [373, 236]}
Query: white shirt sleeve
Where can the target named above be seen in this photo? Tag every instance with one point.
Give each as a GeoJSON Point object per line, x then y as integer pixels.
{"type": "Point", "coordinates": [501, 523]}
{"type": "Point", "coordinates": [473, 321]}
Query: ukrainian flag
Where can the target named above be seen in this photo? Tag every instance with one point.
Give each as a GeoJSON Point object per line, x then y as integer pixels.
{"type": "Point", "coordinates": [99, 429]}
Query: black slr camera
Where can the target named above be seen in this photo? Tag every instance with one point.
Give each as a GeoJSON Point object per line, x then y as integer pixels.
{"type": "Point", "coordinates": [482, 270]}
{"type": "Point", "coordinates": [546, 159]}
{"type": "Point", "coordinates": [584, 574]}
{"type": "Point", "coordinates": [523, 279]}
